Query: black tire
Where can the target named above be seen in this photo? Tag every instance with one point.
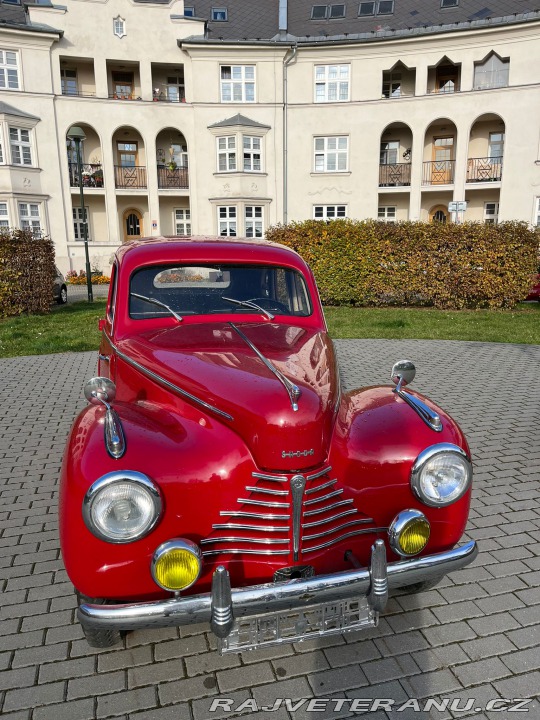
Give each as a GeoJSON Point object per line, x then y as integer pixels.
{"type": "Point", "coordinates": [98, 638]}
{"type": "Point", "coordinates": [62, 297]}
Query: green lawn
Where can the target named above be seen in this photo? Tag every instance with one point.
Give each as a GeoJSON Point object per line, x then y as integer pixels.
{"type": "Point", "coordinates": [75, 327]}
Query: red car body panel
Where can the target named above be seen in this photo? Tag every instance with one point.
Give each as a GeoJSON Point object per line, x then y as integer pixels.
{"type": "Point", "coordinates": [203, 463]}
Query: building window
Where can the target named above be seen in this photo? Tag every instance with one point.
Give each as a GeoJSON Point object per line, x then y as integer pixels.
{"type": "Point", "coordinates": [4, 215]}
{"type": "Point", "coordinates": [227, 221]}
{"type": "Point", "coordinates": [69, 82]}
{"type": "Point", "coordinates": [366, 8]}
{"type": "Point", "coordinates": [175, 90]}
{"type": "Point", "coordinates": [253, 221]}
{"type": "Point", "coordinates": [391, 86]}
{"type": "Point", "coordinates": [122, 85]}
{"type": "Point", "coordinates": [219, 14]}
{"type": "Point", "coordinates": [331, 154]}
{"type": "Point", "coordinates": [237, 83]}
{"type": "Point", "coordinates": [182, 221]}
{"type": "Point", "coordinates": [385, 7]}
{"type": "Point", "coordinates": [319, 12]}
{"type": "Point", "coordinates": [337, 11]}
{"type": "Point", "coordinates": [332, 83]}
{"type": "Point", "coordinates": [226, 153]}
{"type": "Point", "coordinates": [538, 212]}
{"type": "Point", "coordinates": [329, 212]}
{"type": "Point", "coordinates": [79, 220]}
{"type": "Point", "coordinates": [19, 140]}
{"type": "Point", "coordinates": [389, 152]}
{"type": "Point", "coordinates": [252, 153]}
{"type": "Point", "coordinates": [29, 218]}
{"type": "Point", "coordinates": [9, 70]}
{"type": "Point", "coordinates": [189, 11]}
{"type": "Point", "coordinates": [2, 159]}
{"type": "Point", "coordinates": [449, 3]}
{"type": "Point", "coordinates": [119, 27]}
{"type": "Point", "coordinates": [491, 73]}
{"type": "Point", "coordinates": [496, 146]}
{"type": "Point", "coordinates": [387, 214]}
{"type": "Point", "coordinates": [491, 213]}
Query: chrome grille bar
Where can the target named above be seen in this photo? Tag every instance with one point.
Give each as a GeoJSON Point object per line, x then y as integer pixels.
{"type": "Point", "coordinates": [333, 506]}
{"type": "Point", "coordinates": [259, 541]}
{"type": "Point", "coordinates": [318, 474]}
{"type": "Point", "coordinates": [253, 488]}
{"type": "Point", "coordinates": [305, 551]}
{"type": "Point", "coordinates": [333, 530]}
{"type": "Point", "coordinates": [259, 516]}
{"type": "Point", "coordinates": [324, 497]}
{"type": "Point", "coordinates": [274, 478]}
{"type": "Point", "coordinates": [263, 503]}
{"type": "Point", "coordinates": [338, 516]}
{"type": "Point", "coordinates": [244, 551]}
{"type": "Point", "coordinates": [321, 487]}
{"type": "Point", "coordinates": [242, 526]}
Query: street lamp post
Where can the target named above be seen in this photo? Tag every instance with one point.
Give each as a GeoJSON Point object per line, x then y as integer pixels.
{"type": "Point", "coordinates": [77, 135]}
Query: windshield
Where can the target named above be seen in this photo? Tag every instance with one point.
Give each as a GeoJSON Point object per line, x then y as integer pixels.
{"type": "Point", "coordinates": [215, 289]}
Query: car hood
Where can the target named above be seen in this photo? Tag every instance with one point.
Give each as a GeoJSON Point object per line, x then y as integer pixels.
{"type": "Point", "coordinates": [213, 362]}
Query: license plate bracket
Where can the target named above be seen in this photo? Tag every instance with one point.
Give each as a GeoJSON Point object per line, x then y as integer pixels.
{"type": "Point", "coordinates": [312, 621]}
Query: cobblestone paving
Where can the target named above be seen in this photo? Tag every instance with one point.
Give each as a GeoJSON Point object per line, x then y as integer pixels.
{"type": "Point", "coordinates": [476, 635]}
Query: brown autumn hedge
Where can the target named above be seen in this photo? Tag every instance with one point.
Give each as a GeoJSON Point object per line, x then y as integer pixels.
{"type": "Point", "coordinates": [26, 273]}
{"type": "Point", "coordinates": [472, 265]}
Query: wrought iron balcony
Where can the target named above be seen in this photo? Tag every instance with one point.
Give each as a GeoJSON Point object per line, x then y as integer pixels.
{"type": "Point", "coordinates": [92, 175]}
{"type": "Point", "coordinates": [438, 172]}
{"type": "Point", "coordinates": [488, 169]}
{"type": "Point", "coordinates": [394, 175]}
{"type": "Point", "coordinates": [132, 177]}
{"type": "Point", "coordinates": [172, 179]}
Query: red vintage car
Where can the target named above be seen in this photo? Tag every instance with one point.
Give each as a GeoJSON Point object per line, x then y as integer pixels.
{"type": "Point", "coordinates": [534, 292]}
{"type": "Point", "coordinates": [220, 474]}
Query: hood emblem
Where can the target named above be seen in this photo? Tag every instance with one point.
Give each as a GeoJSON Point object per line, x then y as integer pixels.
{"type": "Point", "coordinates": [297, 453]}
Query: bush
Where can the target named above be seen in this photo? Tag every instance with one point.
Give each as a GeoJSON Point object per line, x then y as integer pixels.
{"type": "Point", "coordinates": [472, 265]}
{"type": "Point", "coordinates": [26, 273]}
{"type": "Point", "coordinates": [73, 279]}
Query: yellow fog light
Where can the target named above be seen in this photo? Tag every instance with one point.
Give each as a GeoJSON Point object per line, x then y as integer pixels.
{"type": "Point", "coordinates": [409, 532]}
{"type": "Point", "coordinates": [176, 564]}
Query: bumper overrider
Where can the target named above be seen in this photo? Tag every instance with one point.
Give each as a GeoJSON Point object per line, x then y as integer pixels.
{"type": "Point", "coordinates": [223, 604]}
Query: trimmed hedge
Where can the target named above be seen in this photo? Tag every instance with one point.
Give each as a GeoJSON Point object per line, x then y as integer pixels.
{"type": "Point", "coordinates": [27, 273]}
{"type": "Point", "coordinates": [472, 265]}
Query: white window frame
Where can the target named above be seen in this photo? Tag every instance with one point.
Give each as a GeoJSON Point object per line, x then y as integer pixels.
{"type": "Point", "coordinates": [3, 158]}
{"type": "Point", "coordinates": [332, 83]}
{"type": "Point", "coordinates": [392, 84]}
{"type": "Point", "coordinates": [387, 214]}
{"type": "Point", "coordinates": [29, 220]}
{"type": "Point", "coordinates": [254, 221]}
{"type": "Point", "coordinates": [189, 11]}
{"type": "Point", "coordinates": [220, 11]}
{"type": "Point", "coordinates": [79, 219]}
{"type": "Point", "coordinates": [327, 158]}
{"type": "Point", "coordinates": [9, 71]}
{"type": "Point", "coordinates": [329, 212]}
{"type": "Point", "coordinates": [390, 11]}
{"type": "Point", "coordinates": [252, 153]}
{"type": "Point", "coordinates": [491, 218]}
{"type": "Point", "coordinates": [227, 219]}
{"type": "Point", "coordinates": [4, 215]}
{"type": "Point", "coordinates": [241, 86]}
{"type": "Point", "coordinates": [389, 152]}
{"type": "Point", "coordinates": [491, 73]}
{"type": "Point", "coordinates": [20, 148]}
{"type": "Point", "coordinates": [226, 153]}
{"type": "Point", "coordinates": [119, 27]}
{"type": "Point", "coordinates": [64, 80]}
{"type": "Point", "coordinates": [182, 221]}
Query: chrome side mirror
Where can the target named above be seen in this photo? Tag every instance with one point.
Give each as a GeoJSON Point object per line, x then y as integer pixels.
{"type": "Point", "coordinates": [100, 390]}
{"type": "Point", "coordinates": [403, 373]}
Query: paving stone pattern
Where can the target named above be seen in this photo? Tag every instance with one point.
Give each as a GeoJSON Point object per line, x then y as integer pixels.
{"type": "Point", "coordinates": [476, 635]}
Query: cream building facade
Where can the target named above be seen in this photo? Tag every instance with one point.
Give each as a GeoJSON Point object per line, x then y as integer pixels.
{"type": "Point", "coordinates": [199, 124]}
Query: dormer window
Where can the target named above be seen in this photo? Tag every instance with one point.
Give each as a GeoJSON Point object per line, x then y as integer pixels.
{"type": "Point", "coordinates": [385, 7]}
{"type": "Point", "coordinates": [366, 8]}
{"type": "Point", "coordinates": [319, 12]}
{"type": "Point", "coordinates": [189, 11]}
{"type": "Point", "coordinates": [449, 3]}
{"type": "Point", "coordinates": [337, 11]}
{"type": "Point", "coordinates": [119, 27]}
{"type": "Point", "coordinates": [219, 14]}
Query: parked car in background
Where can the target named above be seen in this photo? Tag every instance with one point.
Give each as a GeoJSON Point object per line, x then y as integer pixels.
{"type": "Point", "coordinates": [220, 473]}
{"type": "Point", "coordinates": [534, 292]}
{"type": "Point", "coordinates": [60, 288]}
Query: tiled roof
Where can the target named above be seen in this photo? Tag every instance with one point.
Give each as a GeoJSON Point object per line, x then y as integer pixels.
{"type": "Point", "coordinates": [238, 119]}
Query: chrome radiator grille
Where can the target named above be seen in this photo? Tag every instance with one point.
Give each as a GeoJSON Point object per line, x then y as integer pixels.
{"type": "Point", "coordinates": [288, 515]}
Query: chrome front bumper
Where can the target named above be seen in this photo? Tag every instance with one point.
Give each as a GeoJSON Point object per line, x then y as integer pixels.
{"type": "Point", "coordinates": [222, 604]}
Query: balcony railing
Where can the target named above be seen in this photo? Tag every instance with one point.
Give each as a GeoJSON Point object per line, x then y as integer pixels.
{"type": "Point", "coordinates": [394, 175]}
{"type": "Point", "coordinates": [438, 172]}
{"type": "Point", "coordinates": [92, 175]}
{"type": "Point", "coordinates": [70, 92]}
{"type": "Point", "coordinates": [124, 96]}
{"type": "Point", "coordinates": [488, 169]}
{"type": "Point", "coordinates": [133, 177]}
{"type": "Point", "coordinates": [172, 179]}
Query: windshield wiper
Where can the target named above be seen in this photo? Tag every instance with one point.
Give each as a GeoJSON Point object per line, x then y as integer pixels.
{"type": "Point", "coordinates": [249, 304]}
{"type": "Point", "coordinates": [153, 301]}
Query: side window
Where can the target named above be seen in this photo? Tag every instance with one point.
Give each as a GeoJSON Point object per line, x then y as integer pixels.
{"type": "Point", "coordinates": [111, 302]}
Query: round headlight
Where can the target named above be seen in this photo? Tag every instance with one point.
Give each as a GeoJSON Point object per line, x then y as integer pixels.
{"type": "Point", "coordinates": [441, 475]}
{"type": "Point", "coordinates": [122, 507]}
{"type": "Point", "coordinates": [409, 532]}
{"type": "Point", "coordinates": [176, 564]}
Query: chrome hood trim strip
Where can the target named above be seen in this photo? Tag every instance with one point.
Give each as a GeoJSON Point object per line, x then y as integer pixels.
{"type": "Point", "coordinates": [292, 390]}
{"type": "Point", "coordinates": [429, 416]}
{"type": "Point", "coordinates": [170, 386]}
